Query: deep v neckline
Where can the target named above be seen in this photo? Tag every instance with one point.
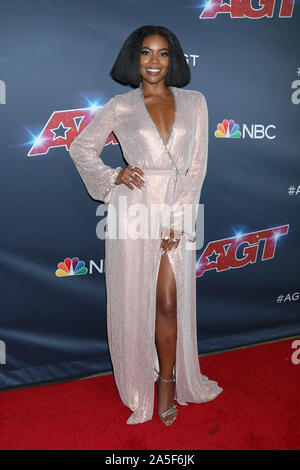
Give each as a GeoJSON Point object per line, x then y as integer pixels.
{"type": "Point", "coordinates": [153, 123]}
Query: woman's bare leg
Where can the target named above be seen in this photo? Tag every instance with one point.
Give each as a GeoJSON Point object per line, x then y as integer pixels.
{"type": "Point", "coordinates": [166, 332]}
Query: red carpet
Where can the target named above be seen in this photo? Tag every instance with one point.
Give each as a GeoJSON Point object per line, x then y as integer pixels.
{"type": "Point", "coordinates": [258, 409]}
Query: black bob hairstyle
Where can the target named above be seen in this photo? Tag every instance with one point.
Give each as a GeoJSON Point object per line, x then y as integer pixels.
{"type": "Point", "coordinates": [126, 69]}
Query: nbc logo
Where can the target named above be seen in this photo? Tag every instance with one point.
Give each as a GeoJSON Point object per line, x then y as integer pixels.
{"type": "Point", "coordinates": [229, 129]}
{"type": "Point", "coordinates": [71, 267]}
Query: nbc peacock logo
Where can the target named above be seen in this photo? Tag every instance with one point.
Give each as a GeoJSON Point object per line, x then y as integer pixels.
{"type": "Point", "coordinates": [228, 129]}
{"type": "Point", "coordinates": [71, 267]}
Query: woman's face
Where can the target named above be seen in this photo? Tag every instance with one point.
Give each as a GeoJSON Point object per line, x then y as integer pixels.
{"type": "Point", "coordinates": [154, 58]}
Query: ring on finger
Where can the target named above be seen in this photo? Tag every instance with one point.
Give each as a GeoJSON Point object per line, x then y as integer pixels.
{"type": "Point", "coordinates": [132, 175]}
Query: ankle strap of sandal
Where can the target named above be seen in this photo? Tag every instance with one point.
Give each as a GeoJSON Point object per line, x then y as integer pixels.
{"type": "Point", "coordinates": [166, 380]}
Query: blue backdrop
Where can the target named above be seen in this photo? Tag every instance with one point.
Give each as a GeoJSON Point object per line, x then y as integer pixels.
{"type": "Point", "coordinates": [55, 59]}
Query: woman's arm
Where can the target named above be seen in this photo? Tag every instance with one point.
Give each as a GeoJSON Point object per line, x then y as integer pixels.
{"type": "Point", "coordinates": [193, 181]}
{"type": "Point", "coordinates": [85, 152]}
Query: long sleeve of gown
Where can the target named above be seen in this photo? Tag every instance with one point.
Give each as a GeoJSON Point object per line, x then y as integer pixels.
{"type": "Point", "coordinates": [85, 152]}
{"type": "Point", "coordinates": [193, 181]}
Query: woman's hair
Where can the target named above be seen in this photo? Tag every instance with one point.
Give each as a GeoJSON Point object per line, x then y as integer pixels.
{"type": "Point", "coordinates": [126, 69]}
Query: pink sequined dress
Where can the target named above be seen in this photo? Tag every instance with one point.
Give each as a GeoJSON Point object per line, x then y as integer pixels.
{"type": "Point", "coordinates": [174, 173]}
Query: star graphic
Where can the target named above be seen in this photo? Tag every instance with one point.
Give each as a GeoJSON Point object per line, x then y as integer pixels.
{"type": "Point", "coordinates": [60, 129]}
{"type": "Point", "coordinates": [214, 256]}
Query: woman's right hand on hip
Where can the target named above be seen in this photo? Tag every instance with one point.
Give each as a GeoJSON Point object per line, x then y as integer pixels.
{"type": "Point", "coordinates": [130, 177]}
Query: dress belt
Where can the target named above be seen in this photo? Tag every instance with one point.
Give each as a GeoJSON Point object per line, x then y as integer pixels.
{"type": "Point", "coordinates": [171, 171]}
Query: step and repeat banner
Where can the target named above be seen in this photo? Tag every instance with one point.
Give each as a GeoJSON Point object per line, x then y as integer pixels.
{"type": "Point", "coordinates": [55, 59]}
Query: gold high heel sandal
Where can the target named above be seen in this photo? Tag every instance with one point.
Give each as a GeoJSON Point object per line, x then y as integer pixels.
{"type": "Point", "coordinates": [171, 411]}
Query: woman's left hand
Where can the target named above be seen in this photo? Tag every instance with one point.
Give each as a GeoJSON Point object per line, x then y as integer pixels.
{"type": "Point", "coordinates": [170, 241]}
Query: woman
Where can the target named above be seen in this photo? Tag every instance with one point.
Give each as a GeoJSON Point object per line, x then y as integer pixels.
{"type": "Point", "coordinates": [150, 280]}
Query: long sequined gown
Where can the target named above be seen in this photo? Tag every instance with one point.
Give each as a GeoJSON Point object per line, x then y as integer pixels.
{"type": "Point", "coordinates": [174, 173]}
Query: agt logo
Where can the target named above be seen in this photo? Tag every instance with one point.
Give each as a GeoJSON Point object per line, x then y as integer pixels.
{"type": "Point", "coordinates": [191, 59]}
{"type": "Point", "coordinates": [229, 129]}
{"type": "Point", "coordinates": [62, 128]}
{"type": "Point", "coordinates": [245, 9]}
{"type": "Point", "coordinates": [237, 252]}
